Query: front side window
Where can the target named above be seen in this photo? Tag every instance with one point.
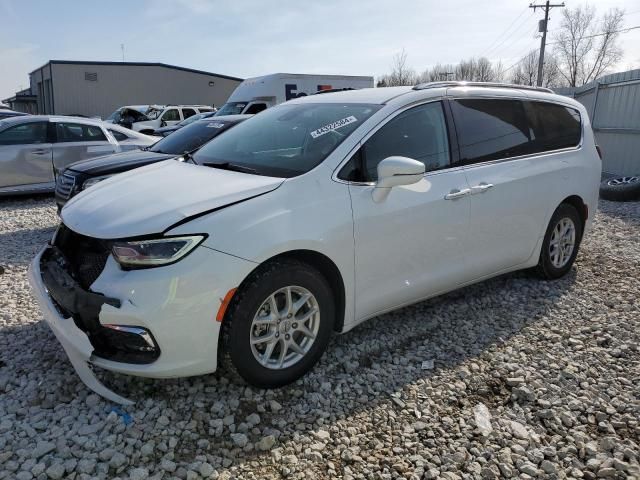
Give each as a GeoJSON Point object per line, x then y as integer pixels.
{"type": "Point", "coordinates": [77, 132]}
{"type": "Point", "coordinates": [554, 126]}
{"type": "Point", "coordinates": [256, 108]}
{"type": "Point", "coordinates": [419, 133]}
{"type": "Point", "coordinates": [171, 115]}
{"type": "Point", "coordinates": [24, 134]}
{"type": "Point", "coordinates": [490, 129]}
{"type": "Point", "coordinates": [287, 140]}
{"type": "Point", "coordinates": [188, 112]}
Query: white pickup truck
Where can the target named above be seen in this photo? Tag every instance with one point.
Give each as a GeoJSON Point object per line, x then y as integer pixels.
{"type": "Point", "coordinates": [259, 93]}
{"type": "Point", "coordinates": [167, 115]}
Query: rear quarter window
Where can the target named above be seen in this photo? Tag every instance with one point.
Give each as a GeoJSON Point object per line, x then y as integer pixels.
{"type": "Point", "coordinates": [554, 126]}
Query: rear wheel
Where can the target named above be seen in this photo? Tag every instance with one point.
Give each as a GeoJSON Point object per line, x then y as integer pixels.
{"type": "Point", "coordinates": [561, 242]}
{"type": "Point", "coordinates": [278, 324]}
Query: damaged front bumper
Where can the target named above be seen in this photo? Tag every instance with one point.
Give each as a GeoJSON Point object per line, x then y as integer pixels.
{"type": "Point", "coordinates": [51, 282]}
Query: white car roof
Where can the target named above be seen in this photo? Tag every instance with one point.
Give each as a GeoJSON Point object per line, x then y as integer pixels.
{"type": "Point", "coordinates": [384, 95]}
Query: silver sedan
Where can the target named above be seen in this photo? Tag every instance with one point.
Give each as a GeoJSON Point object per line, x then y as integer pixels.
{"type": "Point", "coordinates": [34, 148]}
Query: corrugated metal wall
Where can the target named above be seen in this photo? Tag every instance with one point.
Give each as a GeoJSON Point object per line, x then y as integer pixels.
{"type": "Point", "coordinates": [98, 90]}
{"type": "Point", "coordinates": [613, 103]}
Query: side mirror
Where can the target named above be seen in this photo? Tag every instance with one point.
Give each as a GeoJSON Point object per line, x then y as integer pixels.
{"type": "Point", "coordinates": [395, 171]}
{"type": "Point", "coordinates": [163, 123]}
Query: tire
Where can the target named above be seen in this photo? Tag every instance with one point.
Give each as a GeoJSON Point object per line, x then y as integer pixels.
{"type": "Point", "coordinates": [252, 298]}
{"type": "Point", "coordinates": [621, 189]}
{"type": "Point", "coordinates": [554, 261]}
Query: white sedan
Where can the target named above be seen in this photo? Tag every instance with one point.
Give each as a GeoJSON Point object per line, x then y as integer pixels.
{"type": "Point", "coordinates": [34, 148]}
{"type": "Point", "coordinates": [309, 219]}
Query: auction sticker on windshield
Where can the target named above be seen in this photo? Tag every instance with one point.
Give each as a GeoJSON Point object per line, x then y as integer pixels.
{"type": "Point", "coordinates": [333, 126]}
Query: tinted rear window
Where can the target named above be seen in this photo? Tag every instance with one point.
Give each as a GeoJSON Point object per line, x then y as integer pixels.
{"type": "Point", "coordinates": [554, 126]}
{"type": "Point", "coordinates": [490, 129]}
{"type": "Point", "coordinates": [190, 137]}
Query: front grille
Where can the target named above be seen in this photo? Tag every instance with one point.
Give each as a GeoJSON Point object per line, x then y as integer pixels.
{"type": "Point", "coordinates": [87, 256]}
{"type": "Point", "coordinates": [64, 185]}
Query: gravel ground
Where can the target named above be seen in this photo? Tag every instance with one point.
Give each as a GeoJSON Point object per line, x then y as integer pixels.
{"type": "Point", "coordinates": [511, 378]}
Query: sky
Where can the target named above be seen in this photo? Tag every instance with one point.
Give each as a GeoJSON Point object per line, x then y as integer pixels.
{"type": "Point", "coordinates": [247, 38]}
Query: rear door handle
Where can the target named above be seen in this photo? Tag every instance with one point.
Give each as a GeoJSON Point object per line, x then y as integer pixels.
{"type": "Point", "coordinates": [481, 188]}
{"type": "Point", "coordinates": [456, 193]}
{"type": "Point", "coordinates": [40, 151]}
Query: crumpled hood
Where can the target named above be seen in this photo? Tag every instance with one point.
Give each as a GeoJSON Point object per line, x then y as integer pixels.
{"type": "Point", "coordinates": [150, 199]}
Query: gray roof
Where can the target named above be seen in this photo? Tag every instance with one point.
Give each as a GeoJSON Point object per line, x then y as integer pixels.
{"type": "Point", "coordinates": [137, 64]}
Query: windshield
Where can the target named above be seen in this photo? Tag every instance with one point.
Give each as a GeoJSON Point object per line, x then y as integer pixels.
{"type": "Point", "coordinates": [287, 140]}
{"type": "Point", "coordinates": [115, 116]}
{"type": "Point", "coordinates": [191, 137]}
{"type": "Point", "coordinates": [191, 119]}
{"type": "Point", "coordinates": [231, 108]}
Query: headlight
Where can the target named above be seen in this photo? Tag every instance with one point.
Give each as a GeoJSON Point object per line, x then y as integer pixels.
{"type": "Point", "coordinates": [154, 253]}
{"type": "Point", "coordinates": [92, 181]}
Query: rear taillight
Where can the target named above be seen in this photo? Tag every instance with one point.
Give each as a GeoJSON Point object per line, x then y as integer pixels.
{"type": "Point", "coordinates": [599, 150]}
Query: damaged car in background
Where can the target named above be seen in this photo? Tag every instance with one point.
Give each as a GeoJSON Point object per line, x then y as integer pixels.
{"type": "Point", "coordinates": [35, 148]}
{"type": "Point", "coordinates": [310, 218]}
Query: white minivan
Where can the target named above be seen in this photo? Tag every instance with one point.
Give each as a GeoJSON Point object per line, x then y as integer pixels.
{"type": "Point", "coordinates": [310, 218]}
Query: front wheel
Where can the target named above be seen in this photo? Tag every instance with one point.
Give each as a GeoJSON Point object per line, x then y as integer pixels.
{"type": "Point", "coordinates": [278, 324]}
{"type": "Point", "coordinates": [561, 242]}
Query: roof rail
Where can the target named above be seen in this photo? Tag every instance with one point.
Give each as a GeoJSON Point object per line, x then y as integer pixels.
{"type": "Point", "coordinates": [424, 86]}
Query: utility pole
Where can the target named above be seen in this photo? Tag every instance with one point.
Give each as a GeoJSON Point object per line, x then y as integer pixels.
{"type": "Point", "coordinates": [543, 28]}
{"type": "Point", "coordinates": [122, 48]}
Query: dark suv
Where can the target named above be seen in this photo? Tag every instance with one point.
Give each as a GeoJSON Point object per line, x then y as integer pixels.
{"type": "Point", "coordinates": [82, 175]}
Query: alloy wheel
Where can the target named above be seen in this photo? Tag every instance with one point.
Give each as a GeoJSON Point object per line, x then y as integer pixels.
{"type": "Point", "coordinates": [285, 327]}
{"type": "Point", "coordinates": [562, 242]}
{"type": "Point", "coordinates": [622, 181]}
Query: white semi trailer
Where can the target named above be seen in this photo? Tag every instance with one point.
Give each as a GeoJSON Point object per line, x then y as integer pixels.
{"type": "Point", "coordinates": [259, 93]}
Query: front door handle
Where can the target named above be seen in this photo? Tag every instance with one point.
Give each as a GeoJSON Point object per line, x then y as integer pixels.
{"type": "Point", "coordinates": [40, 151]}
{"type": "Point", "coordinates": [456, 193]}
{"type": "Point", "coordinates": [481, 188]}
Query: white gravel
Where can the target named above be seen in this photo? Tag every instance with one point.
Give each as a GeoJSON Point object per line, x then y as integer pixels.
{"type": "Point", "coordinates": [529, 379]}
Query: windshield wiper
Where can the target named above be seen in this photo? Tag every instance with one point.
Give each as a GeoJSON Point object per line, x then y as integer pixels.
{"type": "Point", "coordinates": [234, 167]}
{"type": "Point", "coordinates": [188, 157]}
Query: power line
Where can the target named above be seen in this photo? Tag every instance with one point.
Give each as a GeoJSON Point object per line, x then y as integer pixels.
{"type": "Point", "coordinates": [505, 31]}
{"type": "Point", "coordinates": [529, 50]}
{"type": "Point", "coordinates": [510, 35]}
{"type": "Point", "coordinates": [623, 30]}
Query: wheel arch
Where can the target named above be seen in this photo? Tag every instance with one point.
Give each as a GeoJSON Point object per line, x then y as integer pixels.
{"type": "Point", "coordinates": [579, 204]}
{"type": "Point", "coordinates": [326, 267]}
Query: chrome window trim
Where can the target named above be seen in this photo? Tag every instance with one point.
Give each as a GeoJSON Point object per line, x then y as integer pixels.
{"type": "Point", "coordinates": [375, 128]}
{"type": "Point", "coordinates": [529, 155]}
{"type": "Point", "coordinates": [460, 166]}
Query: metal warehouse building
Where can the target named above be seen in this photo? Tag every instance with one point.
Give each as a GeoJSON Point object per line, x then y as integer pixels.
{"type": "Point", "coordinates": [613, 103]}
{"type": "Point", "coordinates": [65, 87]}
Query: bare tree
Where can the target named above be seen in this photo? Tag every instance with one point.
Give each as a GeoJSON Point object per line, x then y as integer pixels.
{"type": "Point", "coordinates": [484, 71]}
{"type": "Point", "coordinates": [400, 74]}
{"type": "Point", "coordinates": [526, 71]}
{"type": "Point", "coordinates": [585, 46]}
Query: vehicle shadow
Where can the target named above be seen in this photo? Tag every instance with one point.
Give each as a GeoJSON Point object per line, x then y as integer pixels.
{"type": "Point", "coordinates": [630, 214]}
{"type": "Point", "coordinates": [18, 247]}
{"type": "Point", "coordinates": [359, 371]}
{"type": "Point", "coordinates": [24, 202]}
